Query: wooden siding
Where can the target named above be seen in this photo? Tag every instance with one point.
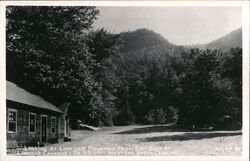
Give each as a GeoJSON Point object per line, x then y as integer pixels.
{"type": "Point", "coordinates": [23, 136]}
{"type": "Point", "coordinates": [61, 126]}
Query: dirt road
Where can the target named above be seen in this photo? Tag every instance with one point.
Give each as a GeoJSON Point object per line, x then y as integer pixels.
{"type": "Point", "coordinates": [145, 140]}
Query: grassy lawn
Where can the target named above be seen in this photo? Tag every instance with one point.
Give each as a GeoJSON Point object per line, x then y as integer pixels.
{"type": "Point", "coordinates": [145, 140]}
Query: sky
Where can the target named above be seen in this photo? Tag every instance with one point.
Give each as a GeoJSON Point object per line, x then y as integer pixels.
{"type": "Point", "coordinates": [179, 25]}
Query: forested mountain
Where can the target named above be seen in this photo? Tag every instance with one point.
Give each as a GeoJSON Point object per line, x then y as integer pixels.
{"type": "Point", "coordinates": [120, 79]}
{"type": "Point", "coordinates": [230, 40]}
{"type": "Point", "coordinates": [142, 38]}
{"type": "Point", "coordinates": [149, 40]}
{"type": "Point", "coordinates": [153, 78]}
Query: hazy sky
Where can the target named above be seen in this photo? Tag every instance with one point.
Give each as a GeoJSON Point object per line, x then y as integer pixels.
{"type": "Point", "coordinates": [179, 25]}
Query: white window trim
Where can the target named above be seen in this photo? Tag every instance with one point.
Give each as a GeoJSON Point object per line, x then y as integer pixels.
{"type": "Point", "coordinates": [12, 110]}
{"type": "Point", "coordinates": [31, 113]}
{"type": "Point", "coordinates": [51, 125]}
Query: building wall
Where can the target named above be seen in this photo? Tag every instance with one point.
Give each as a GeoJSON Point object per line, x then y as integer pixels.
{"type": "Point", "coordinates": [23, 136]}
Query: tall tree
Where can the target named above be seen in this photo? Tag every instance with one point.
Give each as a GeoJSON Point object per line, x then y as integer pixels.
{"type": "Point", "coordinates": [47, 53]}
{"type": "Point", "coordinates": [205, 90]}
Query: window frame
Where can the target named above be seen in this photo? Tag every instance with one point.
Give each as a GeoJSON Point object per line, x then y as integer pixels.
{"type": "Point", "coordinates": [15, 111]}
{"type": "Point", "coordinates": [54, 125]}
{"type": "Point", "coordinates": [31, 113]}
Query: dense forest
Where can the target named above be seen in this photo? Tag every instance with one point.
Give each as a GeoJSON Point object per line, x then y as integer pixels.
{"type": "Point", "coordinates": [135, 77]}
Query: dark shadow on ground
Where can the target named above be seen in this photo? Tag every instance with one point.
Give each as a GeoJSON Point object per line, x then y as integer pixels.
{"type": "Point", "coordinates": [157, 128]}
{"type": "Point", "coordinates": [190, 136]}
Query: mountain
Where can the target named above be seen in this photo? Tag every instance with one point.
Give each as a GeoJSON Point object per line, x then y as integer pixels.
{"type": "Point", "coordinates": [230, 40]}
{"type": "Point", "coordinates": [144, 39]}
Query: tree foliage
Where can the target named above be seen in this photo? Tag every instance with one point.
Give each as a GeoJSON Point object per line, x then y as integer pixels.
{"type": "Point", "coordinates": [207, 92]}
{"type": "Point", "coordinates": [47, 53]}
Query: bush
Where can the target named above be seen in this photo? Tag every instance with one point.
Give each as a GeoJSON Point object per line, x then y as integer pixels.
{"type": "Point", "coordinates": [149, 118]}
{"type": "Point", "coordinates": [108, 117]}
{"type": "Point", "coordinates": [172, 114]}
{"type": "Point", "coordinates": [161, 116]}
{"type": "Point", "coordinates": [125, 117]}
{"type": "Point", "coordinates": [227, 123]}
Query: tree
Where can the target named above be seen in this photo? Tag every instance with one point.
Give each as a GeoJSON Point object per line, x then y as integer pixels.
{"type": "Point", "coordinates": [205, 90]}
{"type": "Point", "coordinates": [105, 47]}
{"type": "Point", "coordinates": [47, 53]}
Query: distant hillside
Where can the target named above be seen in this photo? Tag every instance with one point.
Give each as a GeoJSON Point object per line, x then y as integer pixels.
{"type": "Point", "coordinates": [148, 40]}
{"type": "Point", "coordinates": [142, 38]}
{"type": "Point", "coordinates": [231, 40]}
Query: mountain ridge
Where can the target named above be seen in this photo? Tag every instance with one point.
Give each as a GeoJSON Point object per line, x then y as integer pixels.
{"type": "Point", "coordinates": [230, 40]}
{"type": "Point", "coordinates": [148, 40]}
{"type": "Point", "coordinates": [140, 38]}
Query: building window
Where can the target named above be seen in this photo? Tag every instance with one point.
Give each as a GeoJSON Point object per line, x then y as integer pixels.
{"type": "Point", "coordinates": [53, 124]}
{"type": "Point", "coordinates": [12, 117]}
{"type": "Point", "coordinates": [32, 122]}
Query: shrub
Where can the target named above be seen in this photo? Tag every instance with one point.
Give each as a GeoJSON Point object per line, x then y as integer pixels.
{"type": "Point", "coordinates": [172, 114]}
{"type": "Point", "coordinates": [160, 116]}
{"type": "Point", "coordinates": [149, 118]}
{"type": "Point", "coordinates": [227, 123]}
{"type": "Point", "coordinates": [125, 117]}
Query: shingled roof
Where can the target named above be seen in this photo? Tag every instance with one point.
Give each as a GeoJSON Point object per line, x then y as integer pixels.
{"type": "Point", "coordinates": [17, 94]}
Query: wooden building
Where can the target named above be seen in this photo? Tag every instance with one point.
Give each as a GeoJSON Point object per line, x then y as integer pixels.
{"type": "Point", "coordinates": [32, 121]}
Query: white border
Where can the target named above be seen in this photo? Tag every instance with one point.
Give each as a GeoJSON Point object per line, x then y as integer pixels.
{"type": "Point", "coordinates": [173, 3]}
{"type": "Point", "coordinates": [245, 74]}
{"type": "Point", "coordinates": [245, 30]}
